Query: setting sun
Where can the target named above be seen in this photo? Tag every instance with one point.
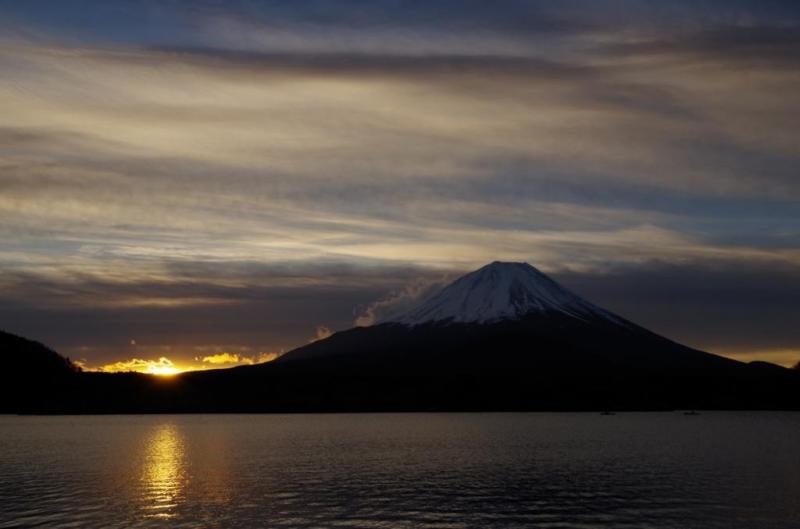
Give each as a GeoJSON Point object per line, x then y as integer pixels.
{"type": "Point", "coordinates": [162, 367]}
{"type": "Point", "coordinates": [162, 370]}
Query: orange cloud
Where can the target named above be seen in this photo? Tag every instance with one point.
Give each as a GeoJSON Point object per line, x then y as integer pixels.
{"type": "Point", "coordinates": [162, 366]}
{"type": "Point", "coordinates": [165, 366]}
{"type": "Point", "coordinates": [228, 358]}
{"type": "Point", "coordinates": [223, 358]}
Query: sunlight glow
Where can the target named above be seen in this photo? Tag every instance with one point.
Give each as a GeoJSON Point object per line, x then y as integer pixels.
{"type": "Point", "coordinates": [163, 370]}
{"type": "Point", "coordinates": [166, 367]}
{"type": "Point", "coordinates": [163, 367]}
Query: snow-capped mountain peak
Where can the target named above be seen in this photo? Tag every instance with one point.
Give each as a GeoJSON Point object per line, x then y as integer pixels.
{"type": "Point", "coordinates": [500, 291]}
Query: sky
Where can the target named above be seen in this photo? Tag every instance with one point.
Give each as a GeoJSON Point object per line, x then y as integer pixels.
{"type": "Point", "coordinates": [209, 183]}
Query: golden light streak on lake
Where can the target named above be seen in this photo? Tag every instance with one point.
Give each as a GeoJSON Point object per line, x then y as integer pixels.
{"type": "Point", "coordinates": [163, 472]}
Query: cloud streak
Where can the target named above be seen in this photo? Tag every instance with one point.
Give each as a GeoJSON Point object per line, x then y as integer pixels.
{"type": "Point", "coordinates": [336, 159]}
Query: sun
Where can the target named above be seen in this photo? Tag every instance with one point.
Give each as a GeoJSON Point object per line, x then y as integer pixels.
{"type": "Point", "coordinates": [163, 370]}
{"type": "Point", "coordinates": [161, 367]}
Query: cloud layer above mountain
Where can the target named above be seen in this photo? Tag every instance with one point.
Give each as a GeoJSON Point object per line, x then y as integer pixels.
{"type": "Point", "coordinates": [223, 175]}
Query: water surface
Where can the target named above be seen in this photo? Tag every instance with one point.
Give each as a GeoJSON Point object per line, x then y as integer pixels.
{"type": "Point", "coordinates": [648, 470]}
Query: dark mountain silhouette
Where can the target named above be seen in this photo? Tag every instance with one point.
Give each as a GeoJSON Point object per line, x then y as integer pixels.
{"type": "Point", "coordinates": [23, 357]}
{"type": "Point", "coordinates": [505, 337]}
{"type": "Point", "coordinates": [500, 318]}
{"type": "Point", "coordinates": [30, 373]}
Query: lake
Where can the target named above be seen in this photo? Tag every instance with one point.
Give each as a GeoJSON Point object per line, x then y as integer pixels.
{"type": "Point", "coordinates": [640, 470]}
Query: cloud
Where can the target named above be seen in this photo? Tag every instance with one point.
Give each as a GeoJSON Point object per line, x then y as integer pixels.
{"type": "Point", "coordinates": [520, 132]}
{"type": "Point", "coordinates": [166, 366]}
{"type": "Point", "coordinates": [229, 359]}
{"type": "Point", "coordinates": [221, 358]}
{"type": "Point", "coordinates": [137, 365]}
{"type": "Point", "coordinates": [759, 44]}
{"type": "Point", "coordinates": [398, 301]}
{"type": "Point", "coordinates": [234, 174]}
{"type": "Point", "coordinates": [322, 333]}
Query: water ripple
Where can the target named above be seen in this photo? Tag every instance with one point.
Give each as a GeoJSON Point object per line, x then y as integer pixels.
{"type": "Point", "coordinates": [658, 471]}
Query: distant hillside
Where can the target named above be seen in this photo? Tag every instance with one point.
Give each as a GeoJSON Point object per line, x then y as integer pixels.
{"type": "Point", "coordinates": [21, 356]}
{"type": "Point", "coordinates": [30, 373]}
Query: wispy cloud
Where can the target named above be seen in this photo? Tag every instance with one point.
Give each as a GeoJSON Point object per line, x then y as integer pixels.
{"type": "Point", "coordinates": [400, 300]}
{"type": "Point", "coordinates": [217, 159]}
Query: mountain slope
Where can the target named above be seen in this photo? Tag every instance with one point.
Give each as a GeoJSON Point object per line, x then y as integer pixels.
{"type": "Point", "coordinates": [30, 372]}
{"type": "Point", "coordinates": [507, 316]}
{"type": "Point", "coordinates": [21, 356]}
{"type": "Point", "coordinates": [534, 341]}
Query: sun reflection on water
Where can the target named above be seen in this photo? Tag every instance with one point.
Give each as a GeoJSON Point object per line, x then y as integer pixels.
{"type": "Point", "coordinates": [163, 474]}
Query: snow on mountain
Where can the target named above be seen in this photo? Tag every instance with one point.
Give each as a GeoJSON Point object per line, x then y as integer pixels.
{"type": "Point", "coordinates": [501, 291]}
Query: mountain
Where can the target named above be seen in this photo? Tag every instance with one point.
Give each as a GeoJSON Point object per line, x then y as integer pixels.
{"type": "Point", "coordinates": [21, 356]}
{"type": "Point", "coordinates": [30, 372]}
{"type": "Point", "coordinates": [505, 337]}
{"type": "Point", "coordinates": [501, 291]}
{"type": "Point", "coordinates": [506, 316]}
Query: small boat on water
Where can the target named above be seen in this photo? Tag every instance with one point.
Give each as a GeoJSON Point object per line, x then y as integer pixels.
{"type": "Point", "coordinates": [691, 412]}
{"type": "Point", "coordinates": [607, 412]}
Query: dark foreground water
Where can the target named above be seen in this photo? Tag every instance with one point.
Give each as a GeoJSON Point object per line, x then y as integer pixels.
{"type": "Point", "coordinates": [656, 470]}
